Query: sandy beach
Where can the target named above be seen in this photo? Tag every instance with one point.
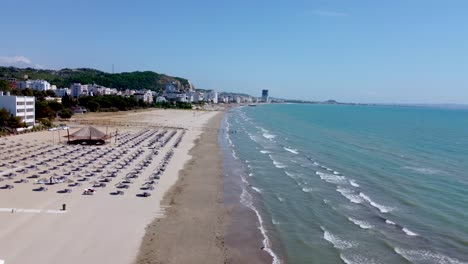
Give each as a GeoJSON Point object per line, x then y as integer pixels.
{"type": "Point", "coordinates": [98, 228]}
{"type": "Point", "coordinates": [194, 226]}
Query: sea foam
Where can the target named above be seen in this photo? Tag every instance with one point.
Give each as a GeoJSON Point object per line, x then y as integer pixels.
{"type": "Point", "coordinates": [350, 195]}
{"type": "Point", "coordinates": [409, 232]}
{"type": "Point", "coordinates": [336, 241]}
{"type": "Point", "coordinates": [268, 136]}
{"type": "Point", "coordinates": [246, 199]}
{"type": "Point", "coordinates": [423, 256]}
{"type": "Point", "coordinates": [353, 183]}
{"type": "Point", "coordinates": [361, 224]}
{"type": "Point", "coordinates": [382, 208]}
{"type": "Point", "coordinates": [331, 178]}
{"type": "Point", "coordinates": [293, 151]}
{"type": "Point", "coordinates": [257, 189]}
{"type": "Point", "coordinates": [356, 259]}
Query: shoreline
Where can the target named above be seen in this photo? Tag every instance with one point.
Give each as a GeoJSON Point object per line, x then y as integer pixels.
{"type": "Point", "coordinates": [192, 230]}
{"type": "Point", "coordinates": [246, 235]}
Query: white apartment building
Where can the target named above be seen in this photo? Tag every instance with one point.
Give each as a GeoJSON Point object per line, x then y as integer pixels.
{"type": "Point", "coordinates": [211, 96]}
{"type": "Point", "coordinates": [170, 88]}
{"type": "Point", "coordinates": [146, 96]}
{"type": "Point", "coordinates": [20, 106]}
{"type": "Point", "coordinates": [128, 92]}
{"type": "Point", "coordinates": [77, 90]}
{"type": "Point", "coordinates": [38, 85]}
{"type": "Point", "coordinates": [61, 92]}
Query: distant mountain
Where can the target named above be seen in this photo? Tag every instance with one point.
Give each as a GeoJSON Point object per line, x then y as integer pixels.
{"type": "Point", "coordinates": [126, 80]}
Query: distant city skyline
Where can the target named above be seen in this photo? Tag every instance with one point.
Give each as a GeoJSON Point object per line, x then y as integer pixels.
{"type": "Point", "coordinates": [350, 51]}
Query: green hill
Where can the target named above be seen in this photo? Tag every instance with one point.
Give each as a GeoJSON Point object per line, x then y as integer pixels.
{"type": "Point", "coordinates": [125, 80]}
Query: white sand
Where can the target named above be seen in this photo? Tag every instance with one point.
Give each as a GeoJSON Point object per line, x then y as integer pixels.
{"type": "Point", "coordinates": [101, 228]}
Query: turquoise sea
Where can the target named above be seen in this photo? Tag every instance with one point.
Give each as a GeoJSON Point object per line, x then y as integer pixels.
{"type": "Point", "coordinates": [354, 184]}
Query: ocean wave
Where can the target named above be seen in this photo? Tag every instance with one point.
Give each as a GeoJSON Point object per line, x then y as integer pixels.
{"type": "Point", "coordinates": [246, 199]}
{"type": "Point", "coordinates": [293, 151]}
{"type": "Point", "coordinates": [281, 199]}
{"type": "Point", "coordinates": [357, 259]}
{"type": "Point", "coordinates": [350, 195]}
{"type": "Point", "coordinates": [423, 256]}
{"type": "Point", "coordinates": [354, 184]}
{"type": "Point", "coordinates": [382, 208]}
{"type": "Point", "coordinates": [251, 174]}
{"type": "Point", "coordinates": [275, 222]}
{"type": "Point", "coordinates": [257, 189]}
{"type": "Point", "coordinates": [290, 174]}
{"type": "Point", "coordinates": [331, 178]}
{"type": "Point", "coordinates": [262, 129]}
{"type": "Point", "coordinates": [336, 241]}
{"type": "Point", "coordinates": [234, 154]}
{"type": "Point", "coordinates": [361, 224]}
{"type": "Point", "coordinates": [253, 138]}
{"type": "Point", "coordinates": [279, 165]}
{"type": "Point", "coordinates": [409, 232]}
{"type": "Point", "coordinates": [427, 171]}
{"type": "Point", "coordinates": [268, 136]}
{"type": "Point", "coordinates": [336, 173]}
{"type": "Point", "coordinates": [244, 180]}
{"type": "Point", "coordinates": [389, 222]}
{"type": "Point", "coordinates": [316, 163]}
{"type": "Point", "coordinates": [265, 151]}
{"type": "Point", "coordinates": [307, 189]}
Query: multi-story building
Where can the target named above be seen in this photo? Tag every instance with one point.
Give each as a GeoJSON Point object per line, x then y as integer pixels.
{"type": "Point", "coordinates": [170, 88]}
{"type": "Point", "coordinates": [128, 92]}
{"type": "Point", "coordinates": [77, 90]}
{"type": "Point", "coordinates": [38, 85]}
{"type": "Point", "coordinates": [265, 96]}
{"type": "Point", "coordinates": [146, 96]}
{"type": "Point", "coordinates": [61, 92]}
{"type": "Point", "coordinates": [177, 97]}
{"type": "Point", "coordinates": [20, 106]}
{"type": "Point", "coordinates": [211, 96]}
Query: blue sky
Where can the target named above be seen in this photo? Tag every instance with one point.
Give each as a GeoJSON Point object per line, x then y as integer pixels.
{"type": "Point", "coordinates": [399, 51]}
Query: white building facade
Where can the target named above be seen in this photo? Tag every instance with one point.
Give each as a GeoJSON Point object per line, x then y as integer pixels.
{"type": "Point", "coordinates": [146, 96]}
{"type": "Point", "coordinates": [20, 106]}
{"type": "Point", "coordinates": [77, 90]}
{"type": "Point", "coordinates": [38, 85]}
{"type": "Point", "coordinates": [211, 96]}
{"type": "Point", "coordinates": [61, 92]}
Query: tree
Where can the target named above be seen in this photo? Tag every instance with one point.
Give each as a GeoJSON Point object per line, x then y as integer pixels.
{"type": "Point", "coordinates": [93, 106]}
{"type": "Point", "coordinates": [65, 113]}
{"type": "Point", "coordinates": [50, 93]}
{"type": "Point", "coordinates": [43, 110]}
{"type": "Point", "coordinates": [4, 86]}
{"type": "Point", "coordinates": [4, 116]}
{"type": "Point", "coordinates": [55, 106]}
{"type": "Point", "coordinates": [142, 103]}
{"type": "Point", "coordinates": [15, 122]}
{"type": "Point", "coordinates": [27, 92]}
{"type": "Point", "coordinates": [67, 101]}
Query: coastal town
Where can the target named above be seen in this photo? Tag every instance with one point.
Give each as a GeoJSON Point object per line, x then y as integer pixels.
{"type": "Point", "coordinates": [77, 156]}
{"type": "Point", "coordinates": [17, 104]}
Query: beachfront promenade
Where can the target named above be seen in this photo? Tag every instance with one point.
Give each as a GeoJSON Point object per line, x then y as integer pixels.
{"type": "Point", "coordinates": [110, 192]}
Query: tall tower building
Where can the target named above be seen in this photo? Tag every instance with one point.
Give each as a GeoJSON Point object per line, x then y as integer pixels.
{"type": "Point", "coordinates": [265, 96]}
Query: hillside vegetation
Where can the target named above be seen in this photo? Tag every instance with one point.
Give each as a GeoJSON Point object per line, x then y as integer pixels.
{"type": "Point", "coordinates": [126, 80]}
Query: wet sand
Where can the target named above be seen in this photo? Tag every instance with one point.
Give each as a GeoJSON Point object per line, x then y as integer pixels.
{"type": "Point", "coordinates": [194, 226]}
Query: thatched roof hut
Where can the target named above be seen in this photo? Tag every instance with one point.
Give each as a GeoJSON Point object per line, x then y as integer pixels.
{"type": "Point", "coordinates": [87, 135]}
